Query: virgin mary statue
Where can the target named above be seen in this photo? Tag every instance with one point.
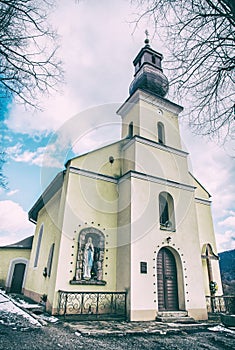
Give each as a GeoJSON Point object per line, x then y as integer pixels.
{"type": "Point", "coordinates": [88, 258]}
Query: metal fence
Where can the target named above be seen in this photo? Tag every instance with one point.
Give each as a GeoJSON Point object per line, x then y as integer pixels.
{"type": "Point", "coordinates": [92, 305]}
{"type": "Point", "coordinates": [221, 304]}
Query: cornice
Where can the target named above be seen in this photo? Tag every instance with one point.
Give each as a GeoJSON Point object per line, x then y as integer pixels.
{"type": "Point", "coordinates": [155, 100]}
{"type": "Point", "coordinates": [92, 174]}
{"type": "Point", "coordinates": [156, 179]}
{"type": "Point", "coordinates": [154, 144]}
{"type": "Point", "coordinates": [202, 201]}
{"type": "Point", "coordinates": [161, 146]}
{"type": "Point", "coordinates": [134, 174]}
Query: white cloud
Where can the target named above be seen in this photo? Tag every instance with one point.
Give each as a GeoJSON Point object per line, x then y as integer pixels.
{"type": "Point", "coordinates": [14, 150]}
{"type": "Point", "coordinates": [57, 109]}
{"type": "Point", "coordinates": [225, 241]}
{"type": "Point", "coordinates": [7, 138]}
{"type": "Point", "coordinates": [97, 62]}
{"type": "Point", "coordinates": [214, 168]}
{"type": "Point", "coordinates": [229, 221]}
{"type": "Point", "coordinates": [48, 156]}
{"type": "Point", "coordinates": [14, 224]}
{"type": "Point", "coordinates": [12, 192]}
{"type": "Point", "coordinates": [25, 157]}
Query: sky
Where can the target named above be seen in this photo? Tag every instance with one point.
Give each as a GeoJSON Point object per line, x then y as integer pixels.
{"type": "Point", "coordinates": [98, 43]}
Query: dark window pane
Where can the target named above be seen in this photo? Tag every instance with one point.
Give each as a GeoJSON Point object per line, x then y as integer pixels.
{"type": "Point", "coordinates": [143, 267]}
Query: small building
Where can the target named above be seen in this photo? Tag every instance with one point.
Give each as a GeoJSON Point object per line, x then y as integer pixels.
{"type": "Point", "coordinates": [14, 260]}
{"type": "Point", "coordinates": [128, 219]}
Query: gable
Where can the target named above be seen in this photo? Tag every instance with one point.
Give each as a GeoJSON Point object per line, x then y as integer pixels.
{"type": "Point", "coordinates": [106, 160]}
{"type": "Point", "coordinates": [200, 191]}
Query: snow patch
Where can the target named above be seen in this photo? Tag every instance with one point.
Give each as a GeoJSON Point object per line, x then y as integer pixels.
{"type": "Point", "coordinates": [221, 328]}
{"type": "Point", "coordinates": [8, 306]}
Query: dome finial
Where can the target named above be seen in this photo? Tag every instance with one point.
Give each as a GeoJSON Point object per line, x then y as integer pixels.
{"type": "Point", "coordinates": [147, 39]}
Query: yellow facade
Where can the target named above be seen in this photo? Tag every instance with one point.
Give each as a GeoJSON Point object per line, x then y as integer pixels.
{"type": "Point", "coordinates": [129, 207]}
{"type": "Point", "coordinates": [9, 257]}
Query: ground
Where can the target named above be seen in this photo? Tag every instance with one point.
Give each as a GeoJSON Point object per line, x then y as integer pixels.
{"type": "Point", "coordinates": [25, 326]}
{"type": "Point", "coordinates": [18, 333]}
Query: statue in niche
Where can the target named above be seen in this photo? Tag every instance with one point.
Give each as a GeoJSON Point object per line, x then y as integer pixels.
{"type": "Point", "coordinates": [90, 256]}
{"type": "Point", "coordinates": [88, 259]}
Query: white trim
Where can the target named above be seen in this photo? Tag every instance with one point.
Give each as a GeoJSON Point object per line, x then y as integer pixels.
{"type": "Point", "coordinates": [154, 144]}
{"type": "Point", "coordinates": [161, 103]}
{"type": "Point", "coordinates": [158, 180]}
{"type": "Point", "coordinates": [137, 175]}
{"type": "Point", "coordinates": [12, 264]}
{"type": "Point", "coordinates": [151, 99]}
{"type": "Point", "coordinates": [203, 201]}
{"type": "Point", "coordinates": [93, 175]}
{"type": "Point", "coordinates": [161, 146]}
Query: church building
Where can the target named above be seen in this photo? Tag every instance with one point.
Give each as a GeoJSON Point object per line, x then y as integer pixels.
{"type": "Point", "coordinates": [127, 226]}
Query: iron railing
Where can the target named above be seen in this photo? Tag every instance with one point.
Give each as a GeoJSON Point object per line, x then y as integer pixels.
{"type": "Point", "coordinates": [92, 304]}
{"type": "Point", "coordinates": [221, 304]}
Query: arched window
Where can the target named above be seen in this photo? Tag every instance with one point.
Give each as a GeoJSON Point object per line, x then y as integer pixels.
{"type": "Point", "coordinates": [130, 131]}
{"type": "Point", "coordinates": [38, 247]}
{"type": "Point", "coordinates": [161, 133]}
{"type": "Point", "coordinates": [90, 256]}
{"type": "Point", "coordinates": [50, 259]}
{"type": "Point", "coordinates": [166, 211]}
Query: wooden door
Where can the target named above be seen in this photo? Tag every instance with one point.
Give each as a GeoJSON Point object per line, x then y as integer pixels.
{"type": "Point", "coordinates": [17, 278]}
{"type": "Point", "coordinates": [167, 281]}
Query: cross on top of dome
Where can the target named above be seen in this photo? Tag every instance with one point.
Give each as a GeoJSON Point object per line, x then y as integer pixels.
{"type": "Point", "coordinates": [147, 37]}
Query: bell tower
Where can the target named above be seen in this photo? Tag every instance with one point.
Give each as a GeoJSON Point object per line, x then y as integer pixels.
{"type": "Point", "coordinates": [147, 113]}
{"type": "Point", "coordinates": [148, 72]}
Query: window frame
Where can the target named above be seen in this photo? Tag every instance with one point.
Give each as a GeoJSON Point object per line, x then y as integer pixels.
{"type": "Point", "coordinates": [39, 242]}
{"type": "Point", "coordinates": [50, 259]}
{"type": "Point", "coordinates": [161, 133]}
{"type": "Point", "coordinates": [166, 212]}
{"type": "Point", "coordinates": [130, 130]}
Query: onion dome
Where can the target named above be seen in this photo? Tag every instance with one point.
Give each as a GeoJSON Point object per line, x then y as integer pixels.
{"type": "Point", "coordinates": [148, 72]}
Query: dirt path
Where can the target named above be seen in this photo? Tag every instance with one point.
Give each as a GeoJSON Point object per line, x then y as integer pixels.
{"type": "Point", "coordinates": [16, 333]}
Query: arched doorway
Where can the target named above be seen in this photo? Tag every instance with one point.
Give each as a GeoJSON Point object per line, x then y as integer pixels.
{"type": "Point", "coordinates": [167, 284]}
{"type": "Point", "coordinates": [17, 278]}
{"type": "Point", "coordinates": [16, 275]}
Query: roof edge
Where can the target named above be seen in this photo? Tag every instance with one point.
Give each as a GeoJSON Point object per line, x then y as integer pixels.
{"type": "Point", "coordinates": [209, 195]}
{"type": "Point", "coordinates": [49, 192]}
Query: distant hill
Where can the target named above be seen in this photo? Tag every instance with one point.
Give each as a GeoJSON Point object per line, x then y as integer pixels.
{"type": "Point", "coordinates": [227, 268]}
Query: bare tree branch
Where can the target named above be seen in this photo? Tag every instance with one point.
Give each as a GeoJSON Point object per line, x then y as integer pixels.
{"type": "Point", "coordinates": [28, 63]}
{"type": "Point", "coordinates": [200, 36]}
{"type": "Point", "coordinates": [3, 179]}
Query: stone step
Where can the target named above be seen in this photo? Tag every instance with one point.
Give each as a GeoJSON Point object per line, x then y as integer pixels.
{"type": "Point", "coordinates": [185, 319]}
{"type": "Point", "coordinates": [172, 313]}
{"type": "Point", "coordinates": [174, 316]}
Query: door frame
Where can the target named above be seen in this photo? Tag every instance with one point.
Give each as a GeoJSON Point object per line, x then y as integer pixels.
{"type": "Point", "coordinates": [11, 269]}
{"type": "Point", "coordinates": [180, 277]}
